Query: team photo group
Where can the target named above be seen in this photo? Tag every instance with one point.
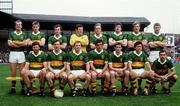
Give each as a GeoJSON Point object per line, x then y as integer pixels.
{"type": "Point", "coordinates": [131, 58]}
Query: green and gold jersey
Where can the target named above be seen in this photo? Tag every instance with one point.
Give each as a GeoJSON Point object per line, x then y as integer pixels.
{"type": "Point", "coordinates": [138, 60]}
{"type": "Point", "coordinates": [57, 60]}
{"type": "Point", "coordinates": [93, 38]}
{"type": "Point", "coordinates": [98, 58]}
{"type": "Point", "coordinates": [52, 39]}
{"type": "Point", "coordinates": [162, 68]}
{"type": "Point", "coordinates": [13, 36]}
{"type": "Point", "coordinates": [77, 61]}
{"type": "Point", "coordinates": [37, 36]}
{"type": "Point", "coordinates": [116, 37]}
{"type": "Point", "coordinates": [117, 61]}
{"type": "Point", "coordinates": [154, 37]}
{"type": "Point", "coordinates": [135, 37]}
{"type": "Point", "coordinates": [36, 60]}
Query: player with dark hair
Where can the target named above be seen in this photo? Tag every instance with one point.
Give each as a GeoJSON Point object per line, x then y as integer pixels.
{"type": "Point", "coordinates": [117, 37]}
{"type": "Point", "coordinates": [56, 61]}
{"type": "Point", "coordinates": [35, 67]}
{"type": "Point", "coordinates": [118, 69]}
{"type": "Point", "coordinates": [164, 67]}
{"type": "Point", "coordinates": [99, 64]}
{"type": "Point", "coordinates": [78, 68]}
{"type": "Point", "coordinates": [57, 36]}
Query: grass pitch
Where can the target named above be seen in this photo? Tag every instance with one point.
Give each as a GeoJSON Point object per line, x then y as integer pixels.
{"type": "Point", "coordinates": [17, 99]}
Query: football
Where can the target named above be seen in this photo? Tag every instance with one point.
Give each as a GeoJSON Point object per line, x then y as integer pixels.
{"type": "Point", "coordinates": [58, 93]}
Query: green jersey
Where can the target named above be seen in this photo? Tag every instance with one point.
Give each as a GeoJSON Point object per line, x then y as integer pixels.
{"type": "Point", "coordinates": [77, 61]}
{"type": "Point", "coordinates": [36, 60]}
{"type": "Point", "coordinates": [138, 60]}
{"type": "Point", "coordinates": [161, 68]}
{"type": "Point", "coordinates": [13, 36]}
{"type": "Point", "coordinates": [56, 59]}
{"type": "Point", "coordinates": [98, 58]}
{"type": "Point", "coordinates": [135, 37]}
{"type": "Point", "coordinates": [117, 61]}
{"type": "Point", "coordinates": [154, 37]}
{"type": "Point", "coordinates": [93, 38]}
{"type": "Point", "coordinates": [52, 39]}
{"type": "Point", "coordinates": [118, 37]}
{"type": "Point", "coordinates": [32, 36]}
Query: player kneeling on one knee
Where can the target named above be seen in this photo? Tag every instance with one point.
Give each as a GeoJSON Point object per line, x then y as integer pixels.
{"type": "Point", "coordinates": [56, 67]}
{"type": "Point", "coordinates": [35, 67]}
{"type": "Point", "coordinates": [137, 60]}
{"type": "Point", "coordinates": [118, 68]}
{"type": "Point", "coordinates": [78, 68]}
{"type": "Point", "coordinates": [162, 66]}
{"type": "Point", "coordinates": [99, 65]}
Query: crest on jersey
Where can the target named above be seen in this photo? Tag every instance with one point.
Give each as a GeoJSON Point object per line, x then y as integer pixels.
{"type": "Point", "coordinates": [39, 37]}
{"type": "Point", "coordinates": [141, 59]}
{"type": "Point", "coordinates": [120, 37]}
{"type": "Point", "coordinates": [22, 38]}
{"type": "Point", "coordinates": [39, 59]}
{"type": "Point", "coordinates": [120, 60]}
{"type": "Point", "coordinates": [60, 57]}
{"type": "Point", "coordinates": [102, 56]}
{"type": "Point", "coordinates": [160, 38]}
{"type": "Point", "coordinates": [140, 37]}
{"type": "Point", "coordinates": [81, 57]}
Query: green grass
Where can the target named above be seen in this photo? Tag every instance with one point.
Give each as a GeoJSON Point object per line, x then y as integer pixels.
{"type": "Point", "coordinates": [17, 99]}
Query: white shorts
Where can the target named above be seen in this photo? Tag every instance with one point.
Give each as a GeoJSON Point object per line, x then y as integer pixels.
{"type": "Point", "coordinates": [35, 72]}
{"type": "Point", "coordinates": [16, 57]}
{"type": "Point", "coordinates": [153, 56]}
{"type": "Point", "coordinates": [56, 71]}
{"type": "Point", "coordinates": [138, 71]}
{"type": "Point", "coordinates": [99, 70]}
{"type": "Point", "coordinates": [77, 73]}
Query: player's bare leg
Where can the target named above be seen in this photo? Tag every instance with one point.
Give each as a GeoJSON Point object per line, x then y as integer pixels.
{"type": "Point", "coordinates": [50, 78]}
{"type": "Point", "coordinates": [87, 78]}
{"type": "Point", "coordinates": [93, 83]}
{"type": "Point", "coordinates": [27, 76]}
{"type": "Point", "coordinates": [106, 76]}
{"type": "Point", "coordinates": [42, 78]}
{"type": "Point", "coordinates": [63, 80]}
{"type": "Point", "coordinates": [71, 83]}
{"type": "Point", "coordinates": [21, 66]}
{"type": "Point", "coordinates": [13, 67]}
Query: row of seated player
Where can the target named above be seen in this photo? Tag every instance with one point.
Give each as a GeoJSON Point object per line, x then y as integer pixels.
{"type": "Point", "coordinates": [96, 67]}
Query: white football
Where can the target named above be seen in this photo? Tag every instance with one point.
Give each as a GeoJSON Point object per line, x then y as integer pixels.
{"type": "Point", "coordinates": [58, 93]}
